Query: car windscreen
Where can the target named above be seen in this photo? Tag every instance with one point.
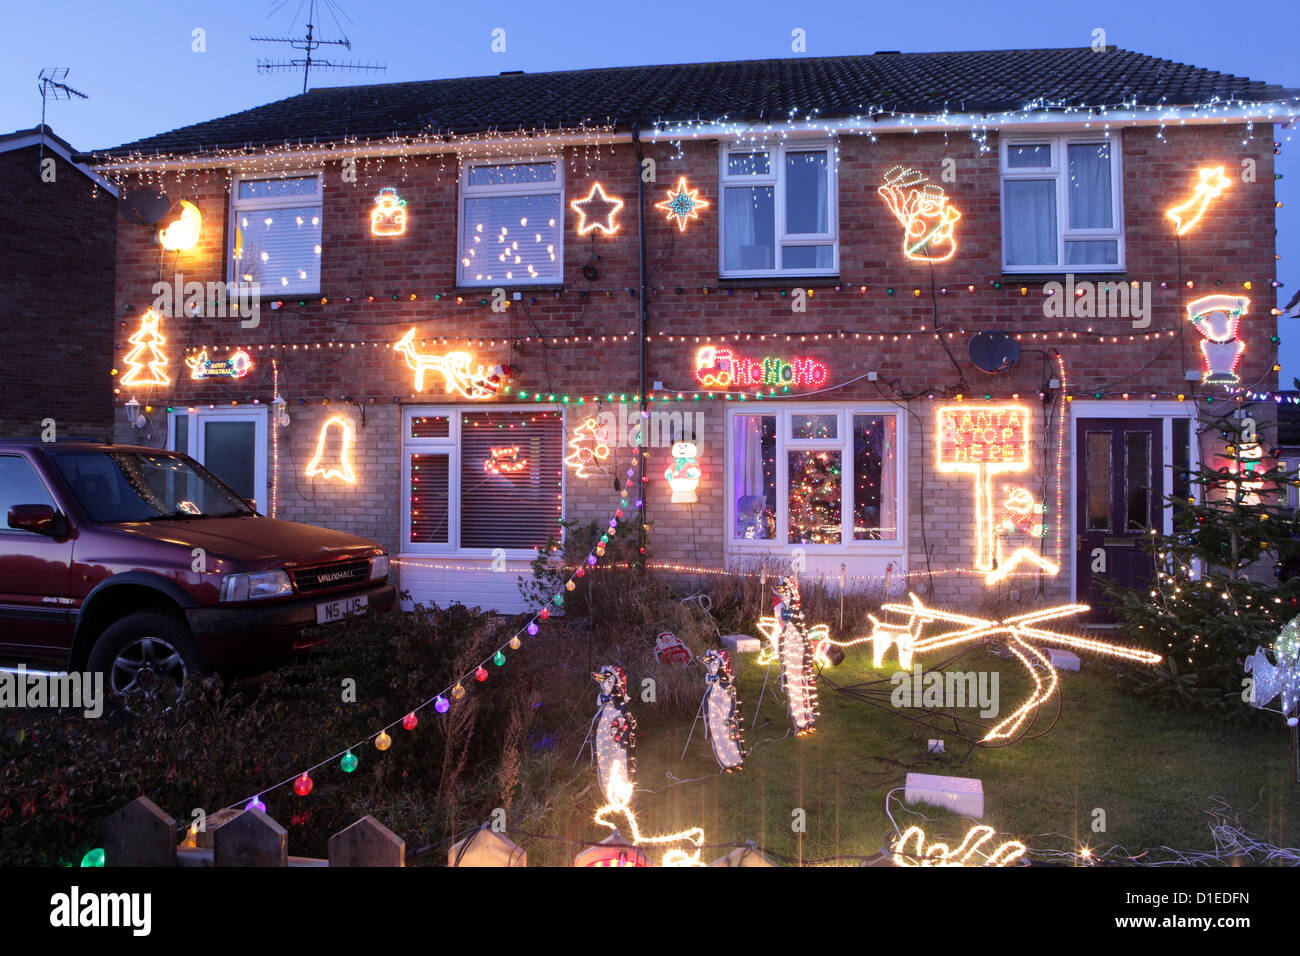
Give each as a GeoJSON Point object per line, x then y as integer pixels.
{"type": "Point", "coordinates": [115, 486]}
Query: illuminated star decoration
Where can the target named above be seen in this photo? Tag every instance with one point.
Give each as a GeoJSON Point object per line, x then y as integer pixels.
{"type": "Point", "coordinates": [597, 211]}
{"type": "Point", "coordinates": [966, 853]}
{"type": "Point", "coordinates": [1021, 638]}
{"type": "Point", "coordinates": [1186, 215]}
{"type": "Point", "coordinates": [1280, 678]}
{"type": "Point", "coordinates": [683, 204]}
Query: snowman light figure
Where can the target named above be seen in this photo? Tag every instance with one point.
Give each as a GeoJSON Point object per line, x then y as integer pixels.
{"type": "Point", "coordinates": [1217, 318]}
{"type": "Point", "coordinates": [683, 475]}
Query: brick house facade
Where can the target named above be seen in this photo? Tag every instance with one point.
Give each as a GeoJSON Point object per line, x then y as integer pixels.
{"type": "Point", "coordinates": [57, 241]}
{"type": "Point", "coordinates": [842, 476]}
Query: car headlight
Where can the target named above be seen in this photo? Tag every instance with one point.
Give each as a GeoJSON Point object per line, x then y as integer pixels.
{"type": "Point", "coordinates": [251, 587]}
{"type": "Point", "coordinates": [379, 568]}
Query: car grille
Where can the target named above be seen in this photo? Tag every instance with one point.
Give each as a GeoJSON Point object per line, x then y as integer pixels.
{"type": "Point", "coordinates": [330, 576]}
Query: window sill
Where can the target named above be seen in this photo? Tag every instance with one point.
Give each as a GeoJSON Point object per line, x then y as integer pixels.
{"type": "Point", "coordinates": [1120, 275]}
{"type": "Point", "coordinates": [779, 281]}
{"type": "Point", "coordinates": [508, 286]}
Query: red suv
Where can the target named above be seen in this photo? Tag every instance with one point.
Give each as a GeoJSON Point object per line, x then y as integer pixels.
{"type": "Point", "coordinates": [141, 564]}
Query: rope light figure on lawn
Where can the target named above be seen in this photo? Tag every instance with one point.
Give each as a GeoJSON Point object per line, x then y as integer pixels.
{"type": "Point", "coordinates": [1282, 678]}
{"type": "Point", "coordinates": [619, 804]}
{"type": "Point", "coordinates": [613, 732]}
{"type": "Point", "coordinates": [910, 850]}
{"type": "Point", "coordinates": [792, 644]}
{"type": "Point", "coordinates": [722, 711]}
{"type": "Point", "coordinates": [1022, 636]}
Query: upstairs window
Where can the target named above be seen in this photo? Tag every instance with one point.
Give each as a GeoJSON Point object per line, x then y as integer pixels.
{"type": "Point", "coordinates": [277, 235]}
{"type": "Point", "coordinates": [779, 211]}
{"type": "Point", "coordinates": [1062, 209]}
{"type": "Point", "coordinates": [511, 223]}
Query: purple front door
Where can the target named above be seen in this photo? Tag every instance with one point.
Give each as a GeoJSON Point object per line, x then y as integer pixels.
{"type": "Point", "coordinates": [1120, 469]}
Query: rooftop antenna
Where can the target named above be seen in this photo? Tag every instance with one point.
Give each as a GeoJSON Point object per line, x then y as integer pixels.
{"type": "Point", "coordinates": [52, 87]}
{"type": "Point", "coordinates": [310, 43]}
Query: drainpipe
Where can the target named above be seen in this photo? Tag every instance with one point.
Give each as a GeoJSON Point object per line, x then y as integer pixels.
{"type": "Point", "coordinates": [641, 338]}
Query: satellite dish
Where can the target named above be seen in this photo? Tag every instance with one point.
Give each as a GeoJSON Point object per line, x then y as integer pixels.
{"type": "Point", "coordinates": [994, 352]}
{"type": "Point", "coordinates": [144, 206]}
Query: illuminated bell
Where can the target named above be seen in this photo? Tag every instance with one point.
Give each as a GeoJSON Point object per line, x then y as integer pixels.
{"type": "Point", "coordinates": [302, 786]}
{"type": "Point", "coordinates": [383, 741]}
{"type": "Point", "coordinates": [349, 762]}
{"type": "Point", "coordinates": [409, 721]}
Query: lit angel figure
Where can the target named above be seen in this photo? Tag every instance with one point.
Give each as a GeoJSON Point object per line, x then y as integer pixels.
{"type": "Point", "coordinates": [792, 644]}
{"type": "Point", "coordinates": [929, 222]}
{"type": "Point", "coordinates": [613, 734]}
{"type": "Point", "coordinates": [1218, 319]}
{"type": "Point", "coordinates": [722, 711]}
{"type": "Point", "coordinates": [683, 475]}
{"type": "Point", "coordinates": [1282, 678]}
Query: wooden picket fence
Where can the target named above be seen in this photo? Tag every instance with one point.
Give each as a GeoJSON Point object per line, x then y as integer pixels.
{"type": "Point", "coordinates": [141, 834]}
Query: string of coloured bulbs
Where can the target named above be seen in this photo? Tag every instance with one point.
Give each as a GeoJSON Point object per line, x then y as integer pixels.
{"type": "Point", "coordinates": [442, 701]}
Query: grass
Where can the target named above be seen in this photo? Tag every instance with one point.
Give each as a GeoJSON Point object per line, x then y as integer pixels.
{"type": "Point", "coordinates": [1152, 772]}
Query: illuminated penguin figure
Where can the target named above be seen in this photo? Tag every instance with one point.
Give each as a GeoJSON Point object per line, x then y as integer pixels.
{"type": "Point", "coordinates": [722, 711]}
{"type": "Point", "coordinates": [795, 652]}
{"type": "Point", "coordinates": [614, 729]}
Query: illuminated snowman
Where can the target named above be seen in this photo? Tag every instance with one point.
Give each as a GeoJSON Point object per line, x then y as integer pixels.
{"type": "Point", "coordinates": [684, 474]}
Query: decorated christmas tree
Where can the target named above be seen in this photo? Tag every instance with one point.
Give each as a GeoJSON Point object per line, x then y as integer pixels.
{"type": "Point", "coordinates": [1214, 597]}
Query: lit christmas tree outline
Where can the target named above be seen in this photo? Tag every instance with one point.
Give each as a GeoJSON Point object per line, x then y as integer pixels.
{"type": "Point", "coordinates": [588, 447]}
{"type": "Point", "coordinates": [146, 337]}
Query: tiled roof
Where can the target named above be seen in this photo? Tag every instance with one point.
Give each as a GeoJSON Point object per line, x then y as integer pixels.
{"type": "Point", "coordinates": [843, 86]}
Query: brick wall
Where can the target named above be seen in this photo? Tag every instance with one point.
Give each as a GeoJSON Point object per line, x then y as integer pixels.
{"type": "Point", "coordinates": [57, 245]}
{"type": "Point", "coordinates": [581, 340]}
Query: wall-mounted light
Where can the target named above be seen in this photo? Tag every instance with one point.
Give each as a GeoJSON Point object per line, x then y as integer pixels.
{"type": "Point", "coordinates": [280, 411]}
{"type": "Point", "coordinates": [133, 416]}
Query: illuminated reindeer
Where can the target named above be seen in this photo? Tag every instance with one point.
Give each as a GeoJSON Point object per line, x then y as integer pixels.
{"type": "Point", "coordinates": [455, 369]}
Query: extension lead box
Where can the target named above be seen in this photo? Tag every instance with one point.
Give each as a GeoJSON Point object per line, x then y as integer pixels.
{"type": "Point", "coordinates": [961, 795]}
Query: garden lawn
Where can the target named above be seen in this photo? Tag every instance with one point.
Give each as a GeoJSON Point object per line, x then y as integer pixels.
{"type": "Point", "coordinates": [1145, 774]}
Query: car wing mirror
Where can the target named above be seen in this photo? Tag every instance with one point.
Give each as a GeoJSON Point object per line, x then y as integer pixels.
{"type": "Point", "coordinates": [40, 519]}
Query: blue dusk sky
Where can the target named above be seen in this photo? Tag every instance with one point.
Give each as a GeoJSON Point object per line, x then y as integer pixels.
{"type": "Point", "coordinates": [134, 57]}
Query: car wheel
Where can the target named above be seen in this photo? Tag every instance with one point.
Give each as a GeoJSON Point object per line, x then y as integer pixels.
{"type": "Point", "coordinates": [145, 658]}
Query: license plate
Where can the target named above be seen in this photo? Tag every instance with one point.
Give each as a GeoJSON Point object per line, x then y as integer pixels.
{"type": "Point", "coordinates": [332, 611]}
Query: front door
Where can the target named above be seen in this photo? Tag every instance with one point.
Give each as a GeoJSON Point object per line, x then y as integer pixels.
{"type": "Point", "coordinates": [230, 443]}
{"type": "Point", "coordinates": [1120, 475]}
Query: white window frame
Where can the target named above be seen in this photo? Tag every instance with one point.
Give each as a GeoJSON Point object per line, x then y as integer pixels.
{"type": "Point", "coordinates": [196, 438]}
{"type": "Point", "coordinates": [451, 446]}
{"type": "Point", "coordinates": [776, 179]}
{"type": "Point", "coordinates": [238, 205]}
{"type": "Point", "coordinates": [1058, 170]}
{"type": "Point", "coordinates": [785, 414]}
{"type": "Point", "coordinates": [466, 191]}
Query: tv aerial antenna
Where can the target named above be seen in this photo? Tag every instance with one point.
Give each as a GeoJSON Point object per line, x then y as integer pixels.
{"type": "Point", "coordinates": [310, 43]}
{"type": "Point", "coordinates": [52, 87]}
